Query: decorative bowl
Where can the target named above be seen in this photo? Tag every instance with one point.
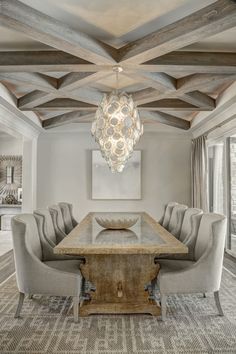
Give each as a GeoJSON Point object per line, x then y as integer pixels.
{"type": "Point", "coordinates": [116, 224]}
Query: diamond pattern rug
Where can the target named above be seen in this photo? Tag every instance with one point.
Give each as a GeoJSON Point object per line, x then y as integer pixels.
{"type": "Point", "coordinates": [46, 326]}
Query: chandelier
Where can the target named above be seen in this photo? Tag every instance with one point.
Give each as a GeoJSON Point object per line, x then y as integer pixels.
{"type": "Point", "coordinates": [117, 127]}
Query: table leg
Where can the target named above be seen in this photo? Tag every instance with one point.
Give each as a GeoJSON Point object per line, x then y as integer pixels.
{"type": "Point", "coordinates": [120, 284]}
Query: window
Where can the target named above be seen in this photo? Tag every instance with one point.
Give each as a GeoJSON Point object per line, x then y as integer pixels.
{"type": "Point", "coordinates": [222, 185]}
{"type": "Point", "coordinates": [216, 178]}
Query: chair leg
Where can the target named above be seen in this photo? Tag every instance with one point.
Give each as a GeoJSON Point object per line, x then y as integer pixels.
{"type": "Point", "coordinates": [217, 301]}
{"type": "Point", "coordinates": [204, 295]}
{"type": "Point", "coordinates": [76, 308]}
{"type": "Point", "coordinates": [163, 307]}
{"type": "Point", "coordinates": [19, 306]}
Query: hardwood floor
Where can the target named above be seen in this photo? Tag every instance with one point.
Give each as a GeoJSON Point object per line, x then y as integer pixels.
{"type": "Point", "coordinates": [5, 242]}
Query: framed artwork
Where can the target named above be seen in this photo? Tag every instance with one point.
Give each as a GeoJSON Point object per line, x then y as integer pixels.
{"type": "Point", "coordinates": [108, 185]}
{"type": "Point", "coordinates": [10, 175]}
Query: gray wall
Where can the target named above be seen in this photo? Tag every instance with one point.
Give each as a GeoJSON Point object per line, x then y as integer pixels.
{"type": "Point", "coordinates": [64, 172]}
{"type": "Point", "coordinates": [10, 146]}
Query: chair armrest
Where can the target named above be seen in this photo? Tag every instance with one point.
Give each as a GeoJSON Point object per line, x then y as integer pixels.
{"type": "Point", "coordinates": [202, 276]}
{"type": "Point", "coordinates": [51, 281]}
{"type": "Point", "coordinates": [35, 277]}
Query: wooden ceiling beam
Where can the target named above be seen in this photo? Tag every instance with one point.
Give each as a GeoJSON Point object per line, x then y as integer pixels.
{"type": "Point", "coordinates": [166, 119]}
{"type": "Point", "coordinates": [67, 118]}
{"type": "Point", "coordinates": [67, 104]}
{"type": "Point", "coordinates": [34, 80]}
{"type": "Point", "coordinates": [159, 81]}
{"type": "Point", "coordinates": [36, 97]}
{"type": "Point", "coordinates": [177, 61]}
{"type": "Point", "coordinates": [170, 104]}
{"type": "Point", "coordinates": [73, 81]}
{"type": "Point", "coordinates": [212, 19]}
{"type": "Point", "coordinates": [199, 99]}
{"type": "Point", "coordinates": [195, 98]}
{"type": "Point", "coordinates": [184, 85]}
{"type": "Point", "coordinates": [45, 29]}
{"type": "Point", "coordinates": [196, 81]}
{"type": "Point", "coordinates": [165, 87]}
{"type": "Point", "coordinates": [84, 116]}
{"type": "Point", "coordinates": [192, 62]}
{"type": "Point", "coordinates": [62, 104]}
{"type": "Point", "coordinates": [49, 86]}
{"type": "Point", "coordinates": [46, 61]}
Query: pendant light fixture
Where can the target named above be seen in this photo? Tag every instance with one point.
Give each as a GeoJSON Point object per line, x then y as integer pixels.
{"type": "Point", "coordinates": [117, 127]}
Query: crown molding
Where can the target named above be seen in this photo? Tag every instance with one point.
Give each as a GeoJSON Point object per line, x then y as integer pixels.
{"type": "Point", "coordinates": [13, 121]}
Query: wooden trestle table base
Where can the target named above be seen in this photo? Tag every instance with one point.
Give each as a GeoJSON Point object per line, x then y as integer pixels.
{"type": "Point", "coordinates": [120, 263]}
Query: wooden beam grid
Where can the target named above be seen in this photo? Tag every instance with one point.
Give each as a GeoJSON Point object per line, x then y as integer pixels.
{"type": "Point", "coordinates": [147, 60]}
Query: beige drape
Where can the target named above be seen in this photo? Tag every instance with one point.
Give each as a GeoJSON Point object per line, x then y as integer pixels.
{"type": "Point", "coordinates": [199, 174]}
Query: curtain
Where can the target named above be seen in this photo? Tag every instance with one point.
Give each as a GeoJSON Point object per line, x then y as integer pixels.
{"type": "Point", "coordinates": [218, 183]}
{"type": "Point", "coordinates": [199, 174]}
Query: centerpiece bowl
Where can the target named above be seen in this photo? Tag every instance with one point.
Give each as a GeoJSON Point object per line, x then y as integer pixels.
{"type": "Point", "coordinates": [116, 224]}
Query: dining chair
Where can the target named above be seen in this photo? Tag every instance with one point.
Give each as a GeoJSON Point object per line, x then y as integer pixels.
{"type": "Point", "coordinates": [164, 221]}
{"type": "Point", "coordinates": [35, 276]}
{"type": "Point", "coordinates": [189, 231]}
{"type": "Point", "coordinates": [58, 221]}
{"type": "Point", "coordinates": [201, 275]}
{"type": "Point", "coordinates": [69, 220]}
{"type": "Point", "coordinates": [48, 237]}
{"type": "Point", "coordinates": [176, 219]}
{"type": "Point", "coordinates": [188, 234]}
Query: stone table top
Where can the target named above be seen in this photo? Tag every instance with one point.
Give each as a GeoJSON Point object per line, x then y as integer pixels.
{"type": "Point", "coordinates": [146, 237]}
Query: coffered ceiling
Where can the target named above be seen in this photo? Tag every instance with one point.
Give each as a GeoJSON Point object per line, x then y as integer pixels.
{"type": "Point", "coordinates": [57, 57]}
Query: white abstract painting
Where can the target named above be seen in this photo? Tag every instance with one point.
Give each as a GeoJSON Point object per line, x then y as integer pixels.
{"type": "Point", "coordinates": [108, 185]}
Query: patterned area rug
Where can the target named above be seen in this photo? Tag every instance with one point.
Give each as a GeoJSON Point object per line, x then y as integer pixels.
{"type": "Point", "coordinates": [46, 326]}
{"type": "Point", "coordinates": [7, 266]}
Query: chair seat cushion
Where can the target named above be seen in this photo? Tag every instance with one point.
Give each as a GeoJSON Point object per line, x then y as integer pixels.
{"type": "Point", "coordinates": [171, 265]}
{"type": "Point", "coordinates": [168, 279]}
{"type": "Point", "coordinates": [71, 266]}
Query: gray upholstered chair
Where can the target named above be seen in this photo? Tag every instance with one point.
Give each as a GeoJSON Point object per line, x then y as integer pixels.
{"type": "Point", "coordinates": [34, 276]}
{"type": "Point", "coordinates": [69, 220]}
{"type": "Point", "coordinates": [204, 273]}
{"type": "Point", "coordinates": [58, 221]}
{"type": "Point", "coordinates": [188, 234]}
{"type": "Point", "coordinates": [48, 236]}
{"type": "Point", "coordinates": [176, 219]}
{"type": "Point", "coordinates": [164, 221]}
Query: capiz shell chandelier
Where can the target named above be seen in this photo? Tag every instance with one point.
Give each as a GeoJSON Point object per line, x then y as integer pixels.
{"type": "Point", "coordinates": [117, 128]}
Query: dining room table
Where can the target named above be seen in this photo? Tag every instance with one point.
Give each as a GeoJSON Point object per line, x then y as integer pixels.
{"type": "Point", "coordinates": [121, 264]}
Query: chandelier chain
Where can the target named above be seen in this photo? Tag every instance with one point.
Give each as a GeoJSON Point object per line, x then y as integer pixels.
{"type": "Point", "coordinates": [117, 72]}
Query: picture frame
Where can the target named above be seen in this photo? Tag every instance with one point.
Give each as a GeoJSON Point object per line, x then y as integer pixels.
{"type": "Point", "coordinates": [125, 185]}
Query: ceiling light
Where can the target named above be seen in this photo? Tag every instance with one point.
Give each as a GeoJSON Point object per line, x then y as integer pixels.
{"type": "Point", "coordinates": [117, 127]}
